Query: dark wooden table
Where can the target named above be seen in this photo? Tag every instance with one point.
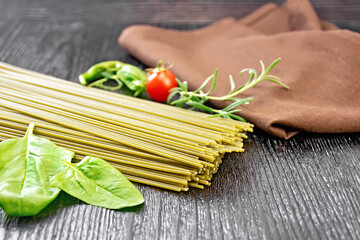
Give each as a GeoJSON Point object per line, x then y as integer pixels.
{"type": "Point", "coordinates": [304, 188]}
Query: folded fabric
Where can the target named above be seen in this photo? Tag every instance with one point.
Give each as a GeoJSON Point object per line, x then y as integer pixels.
{"type": "Point", "coordinates": [320, 63]}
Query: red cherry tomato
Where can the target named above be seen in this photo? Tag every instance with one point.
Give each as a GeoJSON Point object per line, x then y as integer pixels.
{"type": "Point", "coordinates": [158, 84]}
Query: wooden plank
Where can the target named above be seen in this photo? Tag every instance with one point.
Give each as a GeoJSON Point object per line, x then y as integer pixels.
{"type": "Point", "coordinates": [307, 187]}
{"type": "Point", "coordinates": [159, 11]}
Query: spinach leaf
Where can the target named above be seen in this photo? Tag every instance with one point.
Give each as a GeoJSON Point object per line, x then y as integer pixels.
{"type": "Point", "coordinates": [26, 168]}
{"type": "Point", "coordinates": [96, 182]}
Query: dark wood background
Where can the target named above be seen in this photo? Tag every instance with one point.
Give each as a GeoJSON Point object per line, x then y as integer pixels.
{"type": "Point", "coordinates": [304, 188]}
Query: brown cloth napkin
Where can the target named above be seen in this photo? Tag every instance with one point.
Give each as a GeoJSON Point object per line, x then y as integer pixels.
{"type": "Point", "coordinates": [320, 63]}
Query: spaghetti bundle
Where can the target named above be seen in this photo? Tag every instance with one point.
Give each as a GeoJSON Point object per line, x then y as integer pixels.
{"type": "Point", "coordinates": [149, 142]}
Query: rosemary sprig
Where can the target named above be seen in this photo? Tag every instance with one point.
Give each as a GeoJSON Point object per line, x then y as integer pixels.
{"type": "Point", "coordinates": [197, 99]}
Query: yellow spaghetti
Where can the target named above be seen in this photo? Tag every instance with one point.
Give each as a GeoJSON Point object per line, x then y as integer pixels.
{"type": "Point", "coordinates": [149, 142]}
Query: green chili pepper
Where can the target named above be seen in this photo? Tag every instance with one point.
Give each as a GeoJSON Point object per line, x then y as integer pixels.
{"type": "Point", "coordinates": [96, 71]}
{"type": "Point", "coordinates": [133, 77]}
{"type": "Point", "coordinates": [129, 75]}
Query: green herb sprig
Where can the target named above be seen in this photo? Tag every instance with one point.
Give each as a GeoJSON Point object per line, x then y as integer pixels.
{"type": "Point", "coordinates": [197, 99]}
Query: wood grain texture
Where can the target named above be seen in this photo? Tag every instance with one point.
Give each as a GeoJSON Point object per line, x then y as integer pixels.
{"type": "Point", "coordinates": [155, 11]}
{"type": "Point", "coordinates": [303, 188]}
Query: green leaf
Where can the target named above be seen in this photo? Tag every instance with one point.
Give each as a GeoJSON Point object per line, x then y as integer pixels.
{"type": "Point", "coordinates": [26, 167]}
{"type": "Point", "coordinates": [200, 106]}
{"type": "Point", "coordinates": [262, 67]}
{"type": "Point", "coordinates": [221, 114]}
{"type": "Point", "coordinates": [273, 77]}
{"type": "Point", "coordinates": [196, 99]}
{"type": "Point", "coordinates": [171, 95]}
{"type": "Point", "coordinates": [178, 81]}
{"type": "Point", "coordinates": [182, 85]}
{"type": "Point", "coordinates": [275, 81]}
{"type": "Point", "coordinates": [236, 117]}
{"type": "Point", "coordinates": [244, 70]}
{"type": "Point", "coordinates": [96, 182]}
{"type": "Point", "coordinates": [179, 101]}
{"type": "Point", "coordinates": [213, 85]}
{"type": "Point", "coordinates": [232, 84]}
{"type": "Point", "coordinates": [238, 103]}
{"type": "Point", "coordinates": [252, 76]}
{"type": "Point", "coordinates": [204, 83]}
{"type": "Point", "coordinates": [175, 89]}
{"type": "Point", "coordinates": [241, 87]}
{"type": "Point", "coordinates": [234, 111]}
{"type": "Point", "coordinates": [272, 65]}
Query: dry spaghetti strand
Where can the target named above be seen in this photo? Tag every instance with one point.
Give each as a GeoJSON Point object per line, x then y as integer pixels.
{"type": "Point", "coordinates": [151, 143]}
